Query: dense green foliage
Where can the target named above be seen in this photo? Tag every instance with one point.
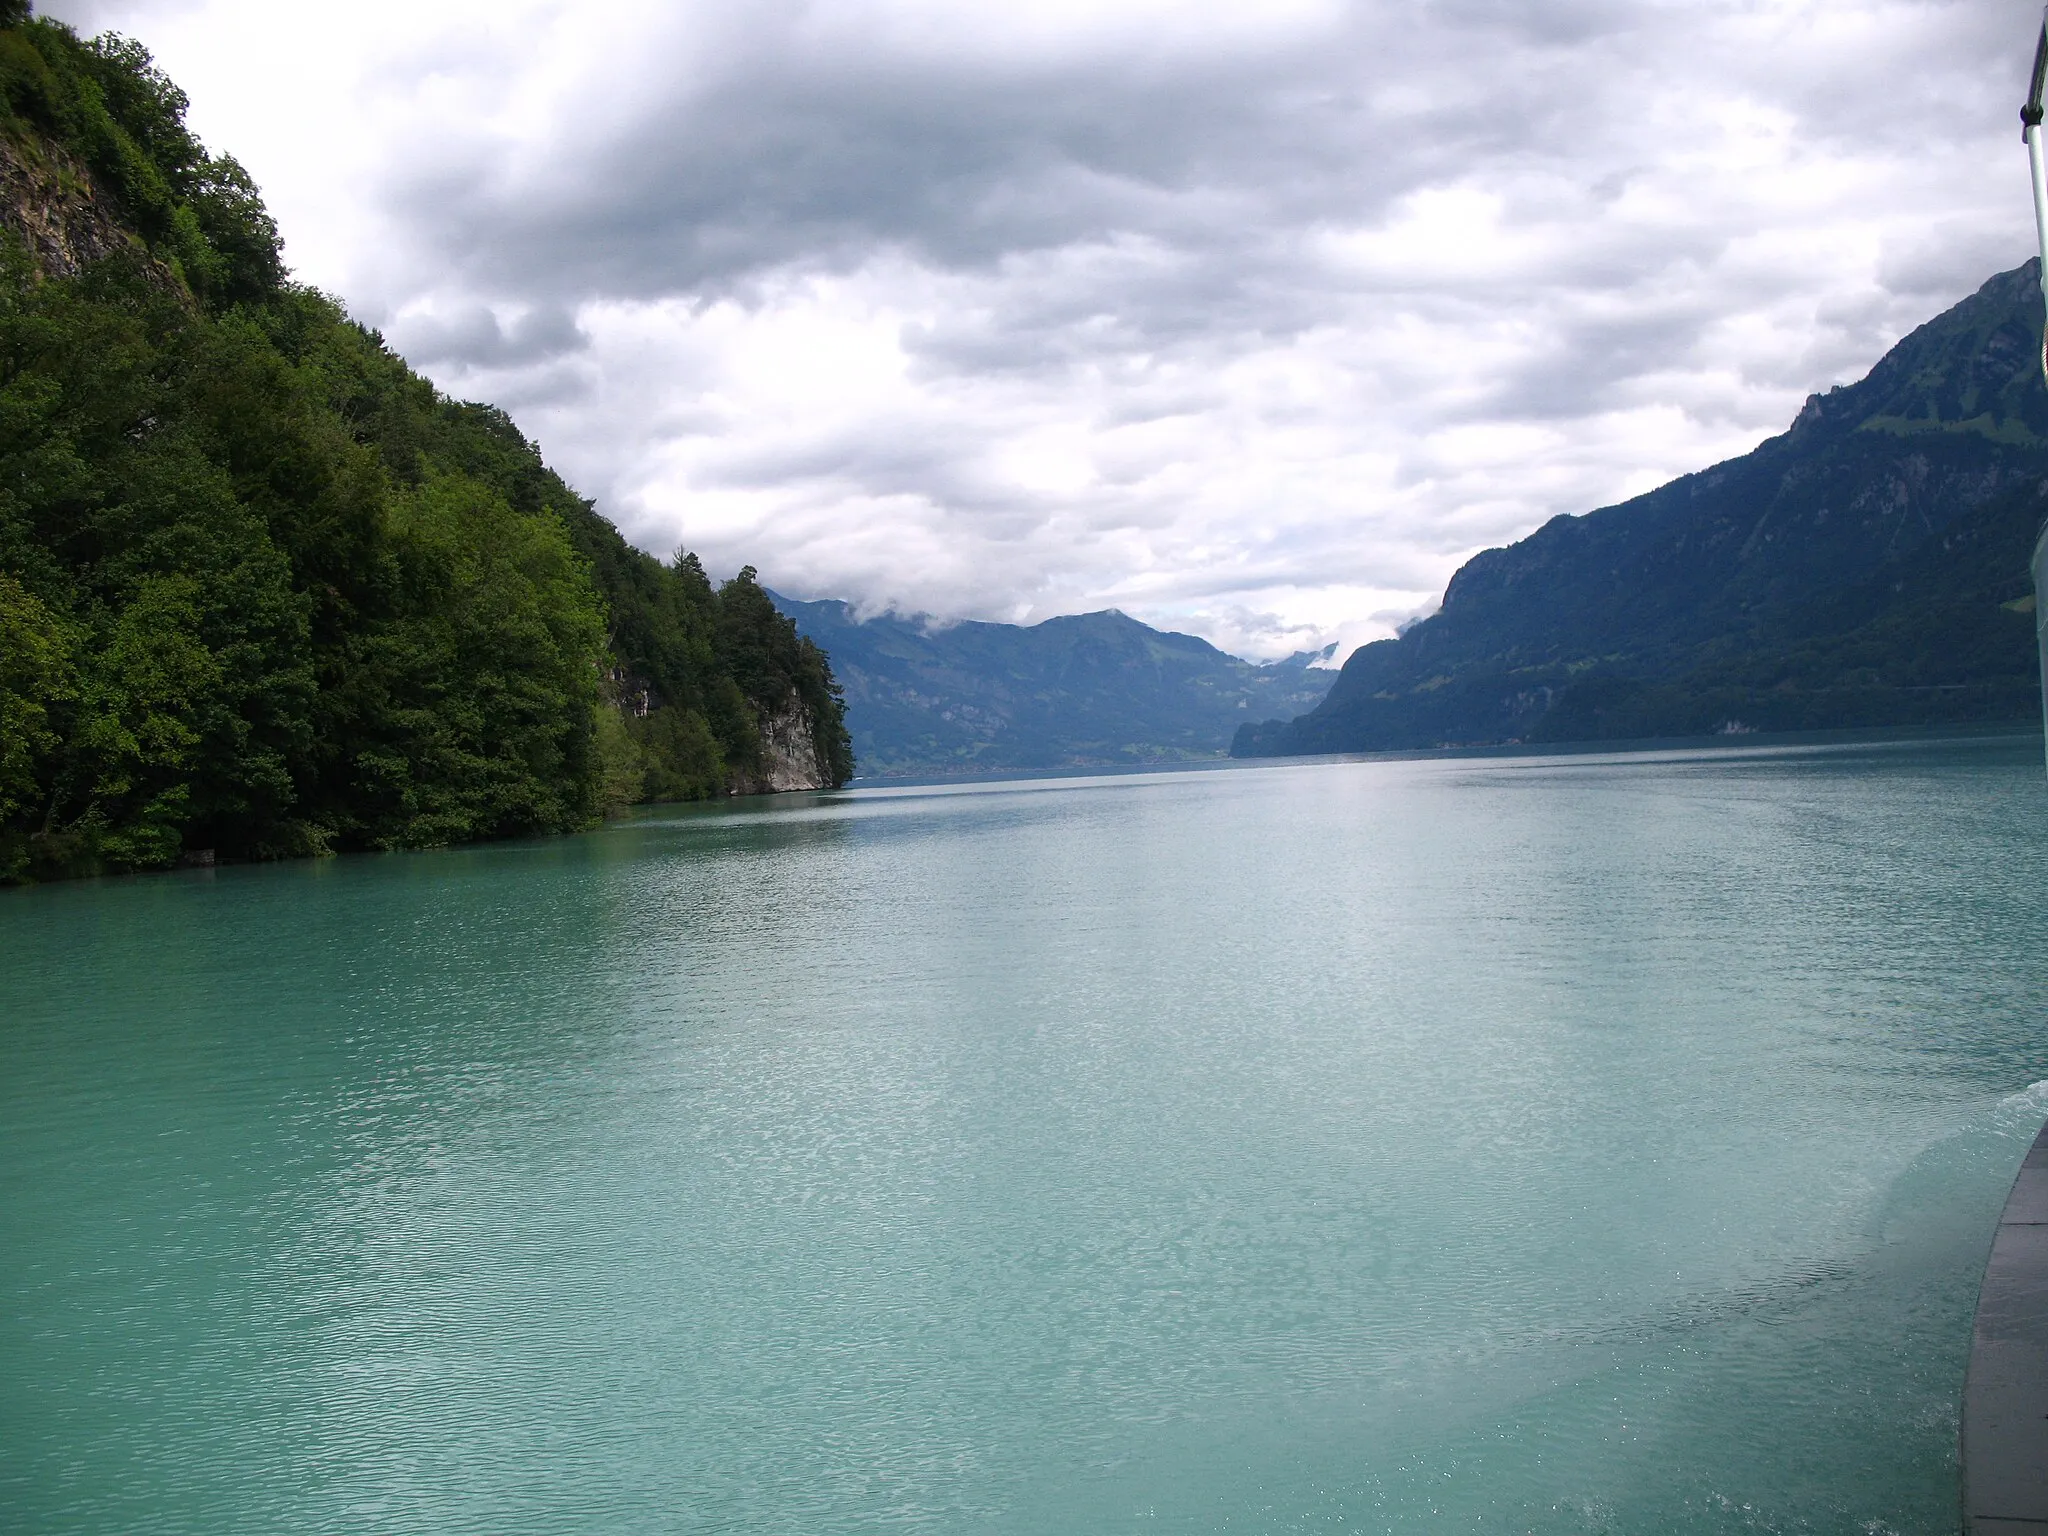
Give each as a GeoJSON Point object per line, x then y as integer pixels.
{"type": "Point", "coordinates": [264, 592]}
{"type": "Point", "coordinates": [1869, 567]}
{"type": "Point", "coordinates": [1081, 690]}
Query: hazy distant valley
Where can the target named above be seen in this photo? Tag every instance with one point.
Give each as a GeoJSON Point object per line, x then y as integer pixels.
{"type": "Point", "coordinates": [1866, 568]}
{"type": "Point", "coordinates": [1082, 690]}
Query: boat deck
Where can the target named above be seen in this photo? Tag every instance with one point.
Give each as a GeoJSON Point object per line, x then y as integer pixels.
{"type": "Point", "coordinates": [2005, 1397]}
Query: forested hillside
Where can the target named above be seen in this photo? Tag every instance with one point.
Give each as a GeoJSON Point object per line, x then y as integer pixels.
{"type": "Point", "coordinates": [1868, 567]}
{"type": "Point", "coordinates": [263, 591]}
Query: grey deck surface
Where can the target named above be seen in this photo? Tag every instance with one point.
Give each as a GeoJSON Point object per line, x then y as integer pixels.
{"type": "Point", "coordinates": [2005, 1398]}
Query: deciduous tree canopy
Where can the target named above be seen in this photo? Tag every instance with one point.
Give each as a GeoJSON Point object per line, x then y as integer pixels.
{"type": "Point", "coordinates": [263, 590]}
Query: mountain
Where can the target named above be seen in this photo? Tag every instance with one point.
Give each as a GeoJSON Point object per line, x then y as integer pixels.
{"type": "Point", "coordinates": [263, 591]}
{"type": "Point", "coordinates": [1868, 567]}
{"type": "Point", "coordinates": [1084, 690]}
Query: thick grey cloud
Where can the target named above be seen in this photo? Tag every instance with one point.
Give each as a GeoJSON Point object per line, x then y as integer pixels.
{"type": "Point", "coordinates": [1250, 319]}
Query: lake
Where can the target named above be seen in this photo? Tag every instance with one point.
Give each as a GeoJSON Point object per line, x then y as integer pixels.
{"type": "Point", "coordinates": [1532, 1144]}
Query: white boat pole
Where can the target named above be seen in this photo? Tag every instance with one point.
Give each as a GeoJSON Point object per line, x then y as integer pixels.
{"type": "Point", "coordinates": [2030, 130]}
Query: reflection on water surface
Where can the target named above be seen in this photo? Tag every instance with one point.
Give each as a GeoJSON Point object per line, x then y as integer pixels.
{"type": "Point", "coordinates": [1590, 1144]}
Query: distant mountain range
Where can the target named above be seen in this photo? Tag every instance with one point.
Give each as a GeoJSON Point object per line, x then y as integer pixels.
{"type": "Point", "coordinates": [1868, 567]}
{"type": "Point", "coordinates": [1086, 690]}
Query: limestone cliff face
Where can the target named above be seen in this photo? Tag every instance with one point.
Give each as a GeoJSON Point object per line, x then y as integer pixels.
{"type": "Point", "coordinates": [789, 753]}
{"type": "Point", "coordinates": [50, 202]}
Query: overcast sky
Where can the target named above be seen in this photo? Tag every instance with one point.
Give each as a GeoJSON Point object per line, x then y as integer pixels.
{"type": "Point", "coordinates": [1253, 320]}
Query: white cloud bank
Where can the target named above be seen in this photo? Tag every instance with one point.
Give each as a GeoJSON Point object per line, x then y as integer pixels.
{"type": "Point", "coordinates": [1250, 319]}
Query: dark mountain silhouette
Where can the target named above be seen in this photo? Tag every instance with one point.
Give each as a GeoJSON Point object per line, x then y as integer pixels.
{"type": "Point", "coordinates": [1868, 567]}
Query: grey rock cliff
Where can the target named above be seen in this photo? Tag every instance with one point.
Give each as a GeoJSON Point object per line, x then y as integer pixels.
{"type": "Point", "coordinates": [789, 753]}
{"type": "Point", "coordinates": [49, 201]}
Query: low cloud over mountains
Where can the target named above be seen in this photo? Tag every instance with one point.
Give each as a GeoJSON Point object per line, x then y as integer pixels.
{"type": "Point", "coordinates": [1253, 321]}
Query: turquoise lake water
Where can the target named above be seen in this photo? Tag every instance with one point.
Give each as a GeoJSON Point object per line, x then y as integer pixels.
{"type": "Point", "coordinates": [1522, 1145]}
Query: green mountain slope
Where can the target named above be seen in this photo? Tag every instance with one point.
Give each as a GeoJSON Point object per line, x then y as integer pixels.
{"type": "Point", "coordinates": [263, 591]}
{"type": "Point", "coordinates": [1090, 689]}
{"type": "Point", "coordinates": [1866, 568]}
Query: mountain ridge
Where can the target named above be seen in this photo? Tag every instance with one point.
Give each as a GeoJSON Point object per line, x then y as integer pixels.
{"type": "Point", "coordinates": [1078, 690]}
{"type": "Point", "coordinates": [1865, 567]}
